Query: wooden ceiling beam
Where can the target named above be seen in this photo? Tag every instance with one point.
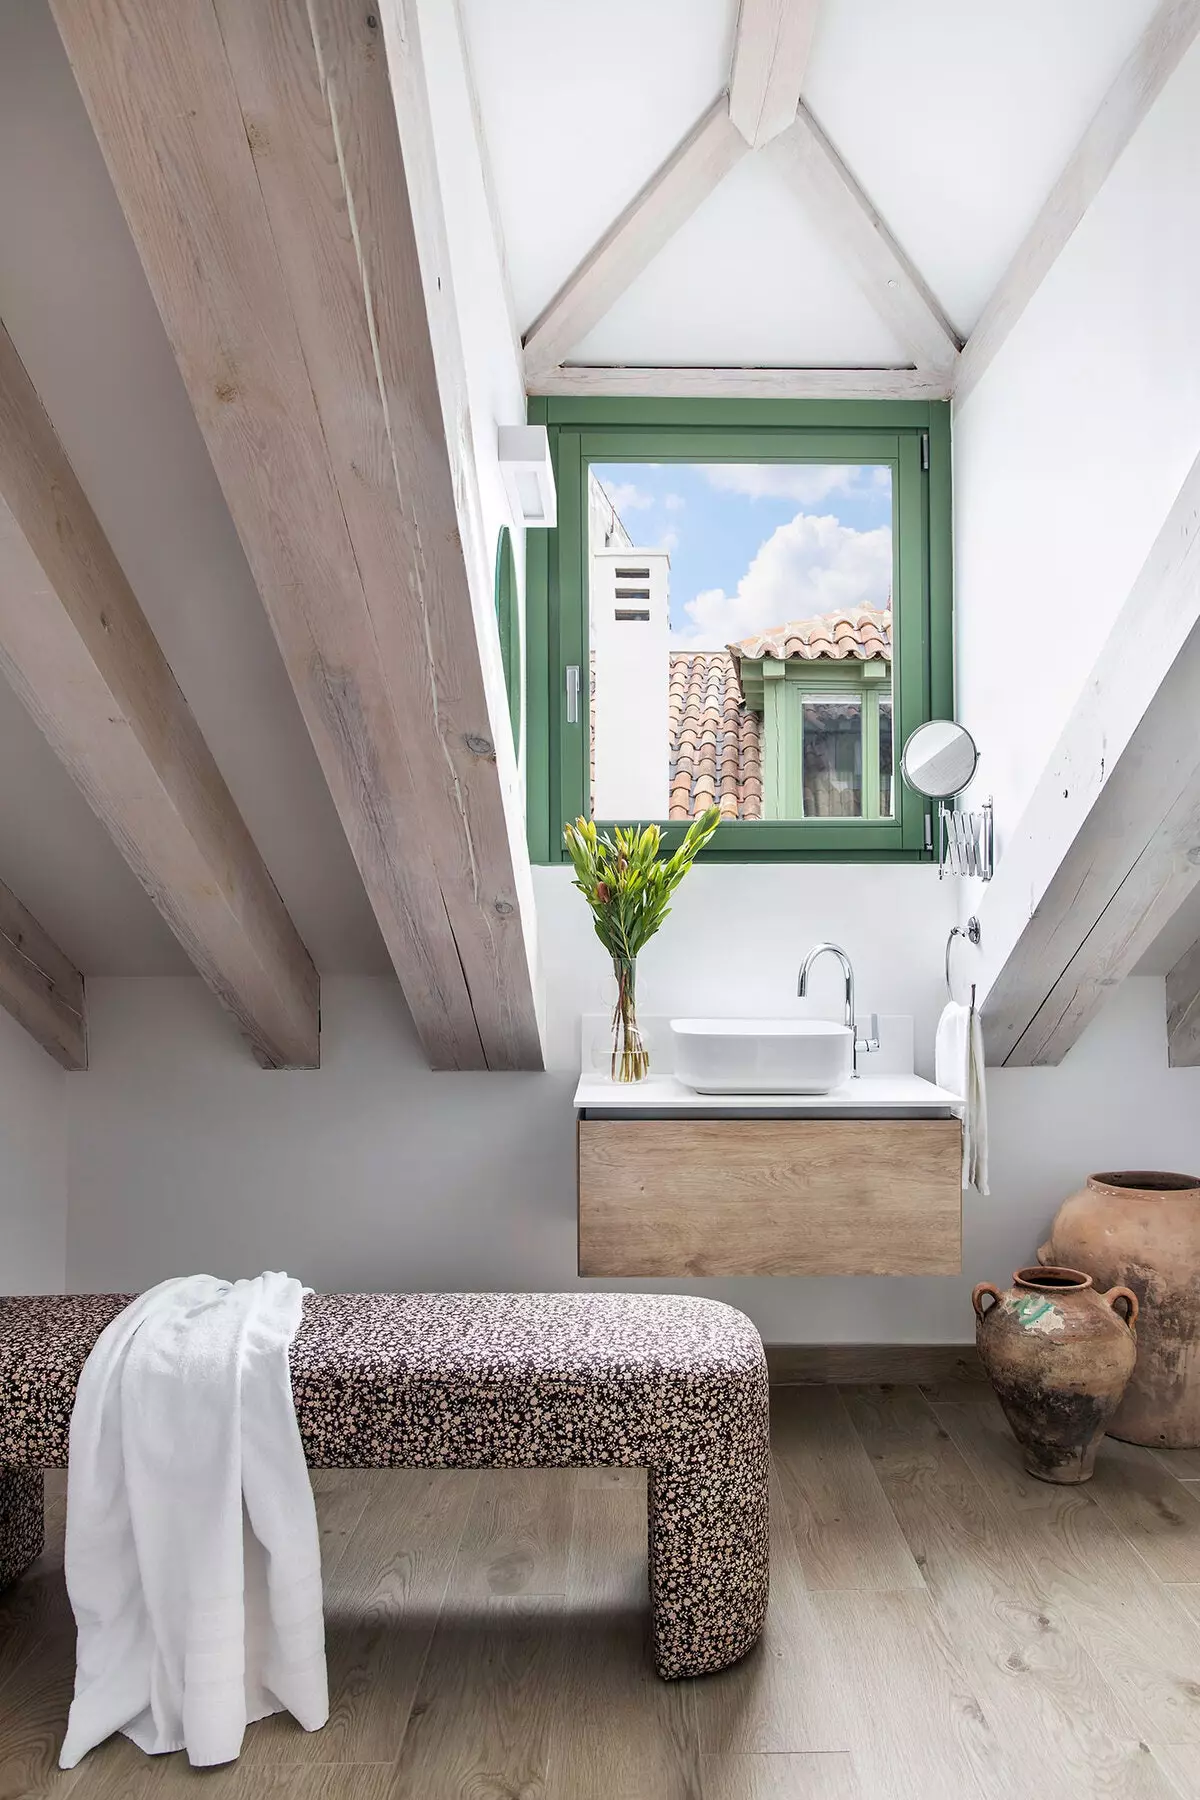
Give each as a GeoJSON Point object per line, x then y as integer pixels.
{"type": "Point", "coordinates": [259, 145]}
{"type": "Point", "coordinates": [669, 198]}
{"type": "Point", "coordinates": [1108, 848]}
{"type": "Point", "coordinates": [1142, 77]}
{"type": "Point", "coordinates": [743, 383]}
{"type": "Point", "coordinates": [77, 648]}
{"type": "Point", "coordinates": [1183, 1011]}
{"type": "Point", "coordinates": [854, 229]}
{"type": "Point", "coordinates": [39, 986]}
{"type": "Point", "coordinates": [770, 57]}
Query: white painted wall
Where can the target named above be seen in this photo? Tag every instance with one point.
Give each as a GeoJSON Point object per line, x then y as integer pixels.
{"type": "Point", "coordinates": [33, 1165]}
{"type": "Point", "coordinates": [1070, 451]}
{"type": "Point", "coordinates": [373, 1173]}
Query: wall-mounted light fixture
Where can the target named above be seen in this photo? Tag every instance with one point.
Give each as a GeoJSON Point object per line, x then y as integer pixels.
{"type": "Point", "coordinates": [524, 452]}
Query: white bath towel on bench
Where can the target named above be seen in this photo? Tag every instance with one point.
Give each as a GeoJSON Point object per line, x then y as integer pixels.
{"type": "Point", "coordinates": [192, 1559]}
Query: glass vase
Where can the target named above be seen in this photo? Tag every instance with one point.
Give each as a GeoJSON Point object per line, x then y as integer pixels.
{"type": "Point", "coordinates": [630, 1058]}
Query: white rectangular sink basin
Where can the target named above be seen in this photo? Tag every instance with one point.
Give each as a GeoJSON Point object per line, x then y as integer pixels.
{"type": "Point", "coordinates": [762, 1056]}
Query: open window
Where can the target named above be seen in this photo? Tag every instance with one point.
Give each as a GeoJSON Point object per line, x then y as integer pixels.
{"type": "Point", "coordinates": [744, 605]}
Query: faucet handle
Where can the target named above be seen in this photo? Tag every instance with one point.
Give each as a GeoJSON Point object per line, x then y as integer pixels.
{"type": "Point", "coordinates": [871, 1041]}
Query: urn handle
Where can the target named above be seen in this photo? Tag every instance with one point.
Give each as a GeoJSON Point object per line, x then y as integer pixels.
{"type": "Point", "coordinates": [985, 1287]}
{"type": "Point", "coordinates": [1117, 1294]}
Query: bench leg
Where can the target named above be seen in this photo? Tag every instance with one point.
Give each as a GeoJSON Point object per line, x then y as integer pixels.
{"type": "Point", "coordinates": [708, 1564]}
{"type": "Point", "coordinates": [22, 1521]}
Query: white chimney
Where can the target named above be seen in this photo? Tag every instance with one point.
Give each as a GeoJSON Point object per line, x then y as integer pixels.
{"type": "Point", "coordinates": [630, 625]}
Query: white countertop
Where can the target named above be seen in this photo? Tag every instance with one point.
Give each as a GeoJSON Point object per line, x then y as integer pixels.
{"type": "Point", "coordinates": [869, 1097]}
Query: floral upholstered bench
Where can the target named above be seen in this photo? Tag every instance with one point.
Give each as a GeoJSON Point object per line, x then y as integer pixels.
{"type": "Point", "coordinates": [668, 1383]}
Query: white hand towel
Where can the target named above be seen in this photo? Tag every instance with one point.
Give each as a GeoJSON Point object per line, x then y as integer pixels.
{"type": "Point", "coordinates": [958, 1067]}
{"type": "Point", "coordinates": [950, 1049]}
{"type": "Point", "coordinates": [193, 1558]}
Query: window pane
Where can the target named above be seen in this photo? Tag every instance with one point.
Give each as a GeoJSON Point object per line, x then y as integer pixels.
{"type": "Point", "coordinates": [740, 623]}
{"type": "Point", "coordinates": [885, 756]}
{"type": "Point", "coordinates": [832, 736]}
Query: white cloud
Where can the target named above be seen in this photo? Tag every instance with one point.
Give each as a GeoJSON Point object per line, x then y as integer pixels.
{"type": "Point", "coordinates": [674, 502]}
{"type": "Point", "coordinates": [813, 564]}
{"type": "Point", "coordinates": [627, 496]}
{"type": "Point", "coordinates": [806, 483]}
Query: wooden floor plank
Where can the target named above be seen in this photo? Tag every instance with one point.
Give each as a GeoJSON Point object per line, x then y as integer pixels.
{"type": "Point", "coordinates": [482, 1716]}
{"type": "Point", "coordinates": [845, 1533]}
{"type": "Point", "coordinates": [341, 1497]}
{"type": "Point", "coordinates": [1188, 1597]}
{"type": "Point", "coordinates": [774, 1700]}
{"type": "Point", "coordinates": [1159, 1516]}
{"type": "Point", "coordinates": [611, 1477]}
{"type": "Point", "coordinates": [332, 1781]}
{"type": "Point", "coordinates": [37, 1604]}
{"type": "Point", "coordinates": [381, 1608]}
{"type": "Point", "coordinates": [789, 1776]}
{"type": "Point", "coordinates": [1140, 1637]}
{"type": "Point", "coordinates": [487, 1644]}
{"type": "Point", "coordinates": [958, 1389]}
{"type": "Point", "coordinates": [33, 1713]}
{"type": "Point", "coordinates": [518, 1535]}
{"type": "Point", "coordinates": [1182, 1768]}
{"type": "Point", "coordinates": [899, 1700]}
{"type": "Point", "coordinates": [1021, 1656]}
{"type": "Point", "coordinates": [1183, 1464]}
{"type": "Point", "coordinates": [619, 1733]}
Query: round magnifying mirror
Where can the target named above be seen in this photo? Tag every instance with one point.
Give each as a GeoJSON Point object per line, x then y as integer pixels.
{"type": "Point", "coordinates": [939, 759]}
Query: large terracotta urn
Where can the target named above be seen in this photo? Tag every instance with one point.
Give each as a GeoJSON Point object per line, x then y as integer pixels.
{"type": "Point", "coordinates": [1058, 1355]}
{"type": "Point", "coordinates": [1141, 1228]}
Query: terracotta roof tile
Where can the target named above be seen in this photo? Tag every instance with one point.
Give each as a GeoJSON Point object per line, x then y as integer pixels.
{"type": "Point", "coordinates": [714, 739]}
{"type": "Point", "coordinates": [863, 632]}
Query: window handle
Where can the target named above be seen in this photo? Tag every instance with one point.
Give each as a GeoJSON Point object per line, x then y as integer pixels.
{"type": "Point", "coordinates": [572, 693]}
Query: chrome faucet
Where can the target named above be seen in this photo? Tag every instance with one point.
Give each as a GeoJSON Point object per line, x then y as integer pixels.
{"type": "Point", "coordinates": [866, 1044]}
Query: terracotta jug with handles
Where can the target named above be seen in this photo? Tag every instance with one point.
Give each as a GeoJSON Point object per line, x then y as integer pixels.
{"type": "Point", "coordinates": [1059, 1356]}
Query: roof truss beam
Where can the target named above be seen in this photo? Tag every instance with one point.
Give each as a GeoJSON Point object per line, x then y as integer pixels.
{"type": "Point", "coordinates": [770, 56]}
{"type": "Point", "coordinates": [828, 191]}
{"type": "Point", "coordinates": [260, 145]}
{"type": "Point", "coordinates": [77, 648]}
{"type": "Point", "coordinates": [40, 986]}
{"type": "Point", "coordinates": [1141, 79]}
{"type": "Point", "coordinates": [762, 111]}
{"type": "Point", "coordinates": [669, 198]}
{"type": "Point", "coordinates": [680, 380]}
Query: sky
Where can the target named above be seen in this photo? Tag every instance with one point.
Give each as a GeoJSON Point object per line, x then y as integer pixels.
{"type": "Point", "coordinates": [753, 545]}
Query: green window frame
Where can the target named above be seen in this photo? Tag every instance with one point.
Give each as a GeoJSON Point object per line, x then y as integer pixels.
{"type": "Point", "coordinates": [912, 437]}
{"type": "Point", "coordinates": [781, 691]}
{"type": "Point", "coordinates": [508, 623]}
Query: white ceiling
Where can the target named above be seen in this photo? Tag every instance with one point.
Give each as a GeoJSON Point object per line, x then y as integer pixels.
{"type": "Point", "coordinates": [955, 115]}
{"type": "Point", "coordinates": [77, 306]}
{"type": "Point", "coordinates": [746, 279]}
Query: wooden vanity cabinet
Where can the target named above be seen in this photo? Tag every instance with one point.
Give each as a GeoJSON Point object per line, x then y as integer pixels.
{"type": "Point", "coordinates": [695, 1197]}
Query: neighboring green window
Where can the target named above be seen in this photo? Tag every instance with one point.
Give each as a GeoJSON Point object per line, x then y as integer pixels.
{"type": "Point", "coordinates": [508, 618]}
{"type": "Point", "coordinates": [747, 604]}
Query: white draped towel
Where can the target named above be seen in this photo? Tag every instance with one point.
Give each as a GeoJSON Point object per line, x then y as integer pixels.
{"type": "Point", "coordinates": [193, 1560]}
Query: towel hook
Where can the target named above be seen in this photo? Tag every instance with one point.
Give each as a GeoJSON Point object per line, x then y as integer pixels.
{"type": "Point", "coordinates": [972, 932]}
